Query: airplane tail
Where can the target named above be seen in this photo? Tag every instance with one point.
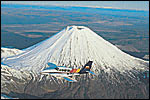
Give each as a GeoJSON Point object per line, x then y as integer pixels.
{"type": "Point", "coordinates": [86, 68]}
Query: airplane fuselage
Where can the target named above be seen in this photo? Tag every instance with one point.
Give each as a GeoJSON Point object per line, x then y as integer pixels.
{"type": "Point", "coordinates": [61, 72]}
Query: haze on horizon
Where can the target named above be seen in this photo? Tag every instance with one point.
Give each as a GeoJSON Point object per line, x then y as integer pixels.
{"type": "Point", "coordinates": [133, 5]}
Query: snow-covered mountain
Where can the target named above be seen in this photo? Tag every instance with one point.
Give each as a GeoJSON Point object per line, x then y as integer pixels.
{"type": "Point", "coordinates": [117, 74]}
{"type": "Point", "coordinates": [5, 52]}
{"type": "Point", "coordinates": [73, 47]}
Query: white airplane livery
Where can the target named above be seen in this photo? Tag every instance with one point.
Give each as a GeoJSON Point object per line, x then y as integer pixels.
{"type": "Point", "coordinates": [65, 72]}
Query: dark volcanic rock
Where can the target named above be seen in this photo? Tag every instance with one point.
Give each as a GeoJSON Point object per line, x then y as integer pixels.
{"type": "Point", "coordinates": [86, 88]}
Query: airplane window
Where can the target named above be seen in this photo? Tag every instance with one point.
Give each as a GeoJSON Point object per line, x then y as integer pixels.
{"type": "Point", "coordinates": [57, 68]}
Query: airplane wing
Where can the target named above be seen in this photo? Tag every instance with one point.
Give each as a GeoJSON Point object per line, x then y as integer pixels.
{"type": "Point", "coordinates": [92, 72]}
{"type": "Point", "coordinates": [70, 79]}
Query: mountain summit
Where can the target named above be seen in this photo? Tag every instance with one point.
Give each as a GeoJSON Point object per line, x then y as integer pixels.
{"type": "Point", "coordinates": [73, 47]}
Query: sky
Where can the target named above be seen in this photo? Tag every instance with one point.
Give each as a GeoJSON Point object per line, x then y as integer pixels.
{"type": "Point", "coordinates": [136, 5]}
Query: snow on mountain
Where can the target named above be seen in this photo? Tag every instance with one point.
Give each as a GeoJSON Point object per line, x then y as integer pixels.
{"type": "Point", "coordinates": [5, 52]}
{"type": "Point", "coordinates": [73, 47]}
{"type": "Point", "coordinates": [13, 80]}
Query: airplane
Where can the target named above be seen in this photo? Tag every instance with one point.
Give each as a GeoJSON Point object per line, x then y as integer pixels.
{"type": "Point", "coordinates": [65, 72]}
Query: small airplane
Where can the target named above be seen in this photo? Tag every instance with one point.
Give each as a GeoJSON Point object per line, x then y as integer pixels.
{"type": "Point", "coordinates": [65, 72]}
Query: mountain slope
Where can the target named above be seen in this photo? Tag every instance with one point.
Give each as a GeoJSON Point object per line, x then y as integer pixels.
{"type": "Point", "coordinates": [5, 52]}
